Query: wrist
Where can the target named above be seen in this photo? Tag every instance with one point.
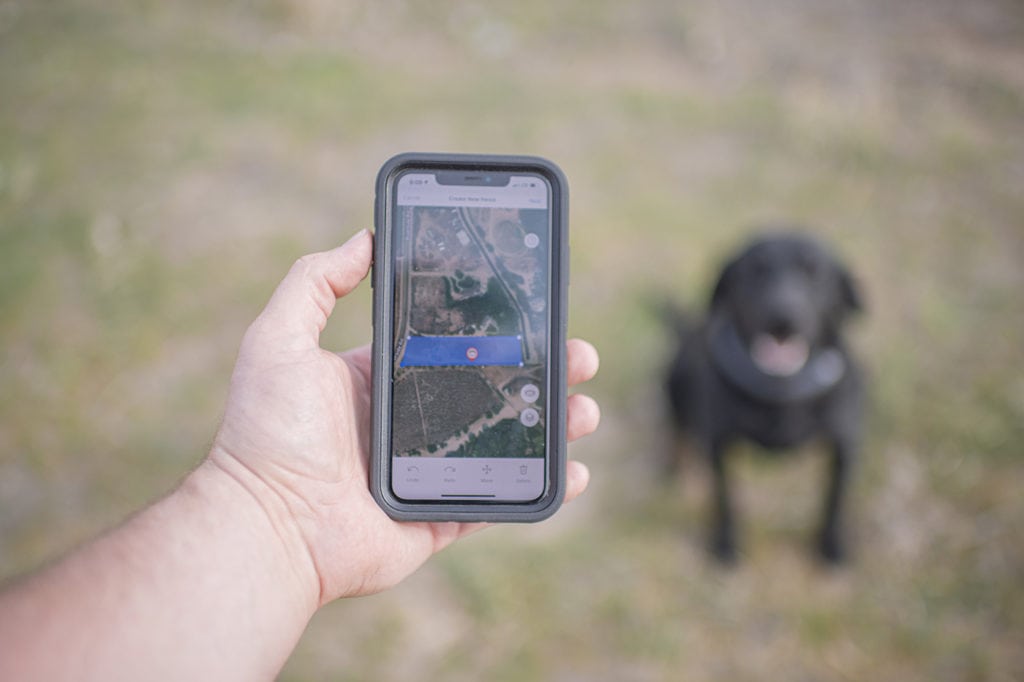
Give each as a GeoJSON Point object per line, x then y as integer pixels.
{"type": "Point", "coordinates": [263, 515]}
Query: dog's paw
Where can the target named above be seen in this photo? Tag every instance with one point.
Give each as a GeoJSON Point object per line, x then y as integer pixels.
{"type": "Point", "coordinates": [832, 550]}
{"type": "Point", "coordinates": [723, 549]}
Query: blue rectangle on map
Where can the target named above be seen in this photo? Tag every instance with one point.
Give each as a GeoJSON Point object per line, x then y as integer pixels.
{"type": "Point", "coordinates": [448, 351]}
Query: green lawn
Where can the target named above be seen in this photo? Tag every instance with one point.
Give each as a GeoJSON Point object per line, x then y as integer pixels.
{"type": "Point", "coordinates": [162, 164]}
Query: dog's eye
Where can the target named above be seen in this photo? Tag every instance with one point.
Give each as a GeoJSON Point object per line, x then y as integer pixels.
{"type": "Point", "coordinates": [760, 266]}
{"type": "Point", "coordinates": [810, 267]}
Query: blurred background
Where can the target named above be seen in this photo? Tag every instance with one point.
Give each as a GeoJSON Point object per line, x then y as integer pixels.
{"type": "Point", "coordinates": [162, 165]}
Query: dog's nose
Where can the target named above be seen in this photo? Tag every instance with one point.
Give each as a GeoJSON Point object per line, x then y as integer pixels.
{"type": "Point", "coordinates": [781, 327]}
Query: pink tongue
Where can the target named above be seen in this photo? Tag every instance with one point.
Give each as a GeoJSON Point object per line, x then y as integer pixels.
{"type": "Point", "coordinates": [779, 358]}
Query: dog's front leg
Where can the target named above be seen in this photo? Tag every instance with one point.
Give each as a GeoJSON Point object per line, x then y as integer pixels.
{"type": "Point", "coordinates": [831, 543]}
{"type": "Point", "coordinates": [723, 529]}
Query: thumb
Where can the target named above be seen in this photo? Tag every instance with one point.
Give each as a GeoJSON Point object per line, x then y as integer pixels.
{"type": "Point", "coordinates": [299, 308]}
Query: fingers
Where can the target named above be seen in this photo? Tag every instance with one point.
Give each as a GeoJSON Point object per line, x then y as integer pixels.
{"type": "Point", "coordinates": [582, 412]}
{"type": "Point", "coordinates": [577, 477]}
{"type": "Point", "coordinates": [305, 298]}
{"type": "Point", "coordinates": [582, 361]}
{"type": "Point", "coordinates": [582, 416]}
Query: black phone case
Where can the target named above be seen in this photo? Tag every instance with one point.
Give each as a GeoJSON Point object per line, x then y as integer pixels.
{"type": "Point", "coordinates": [382, 280]}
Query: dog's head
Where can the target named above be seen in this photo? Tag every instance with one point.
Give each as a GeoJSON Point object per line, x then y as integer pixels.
{"type": "Point", "coordinates": [786, 295]}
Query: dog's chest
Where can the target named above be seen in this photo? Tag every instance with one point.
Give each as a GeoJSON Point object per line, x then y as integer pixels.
{"type": "Point", "coordinates": [777, 426]}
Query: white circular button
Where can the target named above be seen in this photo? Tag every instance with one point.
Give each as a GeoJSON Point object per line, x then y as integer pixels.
{"type": "Point", "coordinates": [529, 393]}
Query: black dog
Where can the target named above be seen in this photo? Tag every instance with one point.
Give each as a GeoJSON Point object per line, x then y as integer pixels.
{"type": "Point", "coordinates": [768, 364]}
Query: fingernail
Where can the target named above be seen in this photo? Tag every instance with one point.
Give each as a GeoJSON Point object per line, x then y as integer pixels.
{"type": "Point", "coordinates": [356, 236]}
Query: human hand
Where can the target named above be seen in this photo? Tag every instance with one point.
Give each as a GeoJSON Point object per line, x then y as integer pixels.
{"type": "Point", "coordinates": [296, 430]}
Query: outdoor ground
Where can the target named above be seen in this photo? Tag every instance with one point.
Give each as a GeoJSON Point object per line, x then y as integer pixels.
{"type": "Point", "coordinates": [162, 164]}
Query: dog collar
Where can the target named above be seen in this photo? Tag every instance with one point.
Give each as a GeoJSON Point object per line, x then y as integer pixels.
{"type": "Point", "coordinates": [823, 370]}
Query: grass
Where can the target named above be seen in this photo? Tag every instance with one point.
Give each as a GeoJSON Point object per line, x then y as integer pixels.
{"type": "Point", "coordinates": [162, 164]}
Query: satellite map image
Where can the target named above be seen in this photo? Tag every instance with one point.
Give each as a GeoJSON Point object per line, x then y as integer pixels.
{"type": "Point", "coordinates": [470, 332]}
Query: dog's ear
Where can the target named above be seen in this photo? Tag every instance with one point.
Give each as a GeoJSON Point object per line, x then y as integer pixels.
{"type": "Point", "coordinates": [726, 282]}
{"type": "Point", "coordinates": [849, 294]}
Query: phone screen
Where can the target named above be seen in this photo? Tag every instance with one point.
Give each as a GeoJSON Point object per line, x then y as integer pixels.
{"type": "Point", "coordinates": [470, 370]}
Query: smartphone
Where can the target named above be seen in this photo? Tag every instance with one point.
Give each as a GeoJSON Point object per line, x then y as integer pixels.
{"type": "Point", "coordinates": [470, 287]}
